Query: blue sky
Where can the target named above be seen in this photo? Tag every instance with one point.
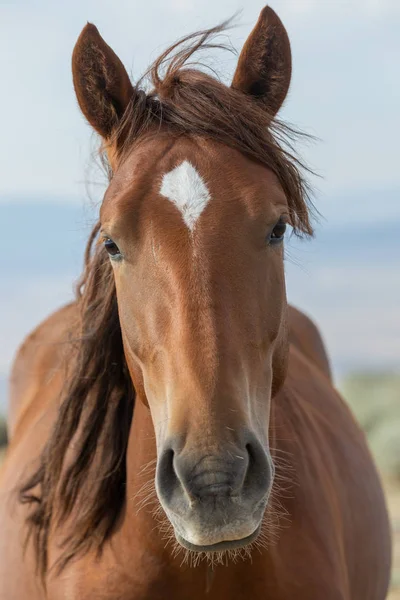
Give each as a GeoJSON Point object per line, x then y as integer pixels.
{"type": "Point", "coordinates": [345, 90]}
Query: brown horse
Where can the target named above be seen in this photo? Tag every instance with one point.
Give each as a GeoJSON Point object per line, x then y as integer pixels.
{"type": "Point", "coordinates": [175, 432]}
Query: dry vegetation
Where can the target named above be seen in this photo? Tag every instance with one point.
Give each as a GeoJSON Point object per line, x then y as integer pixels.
{"type": "Point", "coordinates": [375, 399]}
{"type": "Point", "coordinates": [393, 497]}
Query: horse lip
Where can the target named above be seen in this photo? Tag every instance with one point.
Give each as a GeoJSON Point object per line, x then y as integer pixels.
{"type": "Point", "coordinates": [220, 546]}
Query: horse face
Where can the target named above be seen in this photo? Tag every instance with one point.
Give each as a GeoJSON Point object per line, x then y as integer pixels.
{"type": "Point", "coordinates": [194, 230]}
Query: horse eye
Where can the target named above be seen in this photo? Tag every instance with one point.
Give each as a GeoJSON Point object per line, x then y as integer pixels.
{"type": "Point", "coordinates": [278, 232]}
{"type": "Point", "coordinates": [112, 248]}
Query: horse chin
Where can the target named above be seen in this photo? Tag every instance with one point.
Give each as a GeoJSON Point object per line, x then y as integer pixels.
{"type": "Point", "coordinates": [219, 546]}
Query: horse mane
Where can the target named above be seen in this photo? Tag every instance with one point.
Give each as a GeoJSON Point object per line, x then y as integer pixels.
{"type": "Point", "coordinates": [84, 461]}
{"type": "Point", "coordinates": [95, 413]}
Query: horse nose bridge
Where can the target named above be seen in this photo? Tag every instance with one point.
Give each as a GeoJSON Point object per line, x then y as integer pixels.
{"type": "Point", "coordinates": [206, 414]}
{"type": "Point", "coordinates": [210, 337]}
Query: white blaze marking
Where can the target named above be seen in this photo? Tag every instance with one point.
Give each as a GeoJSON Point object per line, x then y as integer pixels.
{"type": "Point", "coordinates": [187, 190]}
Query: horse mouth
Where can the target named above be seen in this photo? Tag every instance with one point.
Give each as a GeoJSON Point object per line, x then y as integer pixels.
{"type": "Point", "coordinates": [220, 546]}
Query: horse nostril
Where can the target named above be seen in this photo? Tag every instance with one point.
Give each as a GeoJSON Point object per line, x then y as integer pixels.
{"type": "Point", "coordinates": [250, 454]}
{"type": "Point", "coordinates": [166, 479]}
{"type": "Point", "coordinates": [259, 470]}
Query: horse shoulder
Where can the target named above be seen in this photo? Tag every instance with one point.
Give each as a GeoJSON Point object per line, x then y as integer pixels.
{"type": "Point", "coordinates": [36, 380]}
{"type": "Point", "coordinates": [305, 335]}
{"type": "Point", "coordinates": [38, 359]}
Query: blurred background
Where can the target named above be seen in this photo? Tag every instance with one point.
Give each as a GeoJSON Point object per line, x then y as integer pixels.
{"type": "Point", "coordinates": [345, 91]}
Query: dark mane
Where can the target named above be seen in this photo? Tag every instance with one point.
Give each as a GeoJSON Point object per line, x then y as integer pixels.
{"type": "Point", "coordinates": [98, 399]}
{"type": "Point", "coordinates": [187, 101]}
{"type": "Point", "coordinates": [96, 412]}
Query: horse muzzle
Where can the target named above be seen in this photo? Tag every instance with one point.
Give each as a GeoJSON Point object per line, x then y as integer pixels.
{"type": "Point", "coordinates": [215, 501]}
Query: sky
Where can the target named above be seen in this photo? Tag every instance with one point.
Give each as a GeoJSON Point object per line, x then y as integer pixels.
{"type": "Point", "coordinates": [345, 88]}
{"type": "Point", "coordinates": [345, 91]}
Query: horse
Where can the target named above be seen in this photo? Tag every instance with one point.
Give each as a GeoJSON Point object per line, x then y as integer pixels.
{"type": "Point", "coordinates": [175, 431]}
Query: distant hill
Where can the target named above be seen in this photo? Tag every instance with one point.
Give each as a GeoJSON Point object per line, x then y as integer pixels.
{"type": "Point", "coordinates": [46, 238]}
{"type": "Point", "coordinates": [347, 279]}
{"type": "Point", "coordinates": [49, 237]}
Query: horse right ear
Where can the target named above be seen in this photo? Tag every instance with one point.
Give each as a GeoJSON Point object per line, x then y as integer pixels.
{"type": "Point", "coordinates": [101, 83]}
{"type": "Point", "coordinates": [265, 64]}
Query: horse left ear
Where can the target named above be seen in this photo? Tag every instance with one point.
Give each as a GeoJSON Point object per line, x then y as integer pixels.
{"type": "Point", "coordinates": [265, 64]}
{"type": "Point", "coordinates": [101, 83]}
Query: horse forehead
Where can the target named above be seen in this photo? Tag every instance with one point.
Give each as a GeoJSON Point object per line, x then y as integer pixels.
{"type": "Point", "coordinates": [186, 161]}
{"type": "Point", "coordinates": [187, 190]}
{"type": "Point", "coordinates": [189, 175]}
